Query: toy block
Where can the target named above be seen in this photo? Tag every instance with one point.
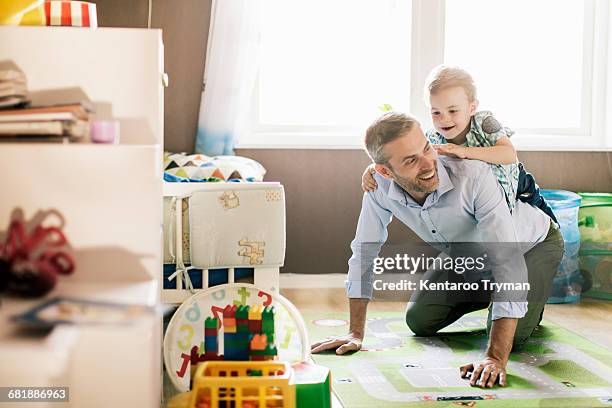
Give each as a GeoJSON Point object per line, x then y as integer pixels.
{"type": "Point", "coordinates": [229, 321]}
{"type": "Point", "coordinates": [231, 356]}
{"type": "Point", "coordinates": [212, 356]}
{"type": "Point", "coordinates": [255, 326]}
{"type": "Point", "coordinates": [230, 329]}
{"type": "Point", "coordinates": [243, 327]}
{"type": "Point", "coordinates": [210, 339]}
{"type": "Point", "coordinates": [258, 342]}
{"type": "Point", "coordinates": [236, 355]}
{"type": "Point", "coordinates": [242, 312]}
{"type": "Point", "coordinates": [255, 313]}
{"type": "Point", "coordinates": [229, 311]}
{"type": "Point", "coordinates": [243, 336]}
{"type": "Point", "coordinates": [211, 332]}
{"type": "Point", "coordinates": [270, 352]}
{"type": "Point", "coordinates": [267, 326]}
{"type": "Point", "coordinates": [267, 320]}
{"type": "Point", "coordinates": [211, 344]}
{"type": "Point", "coordinates": [211, 323]}
{"type": "Point", "coordinates": [236, 349]}
{"type": "Point", "coordinates": [235, 341]}
{"type": "Point", "coordinates": [268, 313]}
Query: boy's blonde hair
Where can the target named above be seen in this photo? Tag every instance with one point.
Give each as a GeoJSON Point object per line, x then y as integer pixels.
{"type": "Point", "coordinates": [446, 76]}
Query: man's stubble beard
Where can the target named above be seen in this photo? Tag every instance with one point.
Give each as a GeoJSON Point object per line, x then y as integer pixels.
{"type": "Point", "coordinates": [410, 185]}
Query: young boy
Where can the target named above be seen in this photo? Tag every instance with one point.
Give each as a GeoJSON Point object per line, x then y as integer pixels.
{"type": "Point", "coordinates": [462, 131]}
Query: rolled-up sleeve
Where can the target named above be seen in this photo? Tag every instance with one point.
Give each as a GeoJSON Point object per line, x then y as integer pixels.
{"type": "Point", "coordinates": [371, 234]}
{"type": "Point", "coordinates": [508, 309]}
{"type": "Point", "coordinates": [505, 255]}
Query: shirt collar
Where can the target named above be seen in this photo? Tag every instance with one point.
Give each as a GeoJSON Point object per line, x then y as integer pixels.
{"type": "Point", "coordinates": [397, 193]}
{"type": "Point", "coordinates": [445, 182]}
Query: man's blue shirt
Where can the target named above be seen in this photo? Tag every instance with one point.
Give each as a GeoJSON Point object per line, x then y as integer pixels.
{"type": "Point", "coordinates": [468, 206]}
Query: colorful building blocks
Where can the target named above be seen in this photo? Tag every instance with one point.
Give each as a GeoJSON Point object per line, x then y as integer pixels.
{"type": "Point", "coordinates": [248, 334]}
{"type": "Point", "coordinates": [211, 335]}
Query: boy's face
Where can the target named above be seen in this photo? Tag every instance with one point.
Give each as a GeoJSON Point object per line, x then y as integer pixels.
{"type": "Point", "coordinates": [412, 162]}
{"type": "Point", "coordinates": [451, 111]}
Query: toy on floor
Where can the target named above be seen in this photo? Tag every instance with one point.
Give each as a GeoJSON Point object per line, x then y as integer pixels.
{"type": "Point", "coordinates": [247, 384]}
{"type": "Point", "coordinates": [241, 326]}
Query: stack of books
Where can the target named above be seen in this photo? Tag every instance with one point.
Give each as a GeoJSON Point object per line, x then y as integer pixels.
{"type": "Point", "coordinates": [49, 123]}
{"type": "Point", "coordinates": [13, 88]}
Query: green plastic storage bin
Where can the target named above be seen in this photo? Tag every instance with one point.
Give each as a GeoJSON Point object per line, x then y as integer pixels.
{"type": "Point", "coordinates": [595, 223]}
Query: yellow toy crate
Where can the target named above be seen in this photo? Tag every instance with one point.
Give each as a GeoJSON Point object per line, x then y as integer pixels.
{"type": "Point", "coordinates": [239, 384]}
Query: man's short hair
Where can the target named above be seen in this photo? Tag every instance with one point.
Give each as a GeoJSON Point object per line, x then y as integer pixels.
{"type": "Point", "coordinates": [386, 129]}
{"type": "Point", "coordinates": [445, 76]}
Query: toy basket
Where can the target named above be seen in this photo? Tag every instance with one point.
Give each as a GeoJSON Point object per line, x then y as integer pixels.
{"type": "Point", "coordinates": [567, 284]}
{"type": "Point", "coordinates": [243, 384]}
{"type": "Point", "coordinates": [595, 223]}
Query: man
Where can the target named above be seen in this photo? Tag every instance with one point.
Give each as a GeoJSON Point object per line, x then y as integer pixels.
{"type": "Point", "coordinates": [447, 201]}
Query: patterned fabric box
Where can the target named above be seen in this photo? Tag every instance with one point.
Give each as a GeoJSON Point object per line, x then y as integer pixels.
{"type": "Point", "coordinates": [228, 228]}
{"type": "Point", "coordinates": [71, 13]}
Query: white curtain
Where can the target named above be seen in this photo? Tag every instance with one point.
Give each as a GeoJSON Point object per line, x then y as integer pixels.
{"type": "Point", "coordinates": [230, 74]}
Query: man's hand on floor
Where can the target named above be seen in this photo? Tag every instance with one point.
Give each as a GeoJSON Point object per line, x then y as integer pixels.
{"type": "Point", "coordinates": [342, 344]}
{"type": "Point", "coordinates": [485, 373]}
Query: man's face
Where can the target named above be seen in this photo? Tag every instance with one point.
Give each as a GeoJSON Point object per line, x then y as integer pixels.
{"type": "Point", "coordinates": [413, 162]}
{"type": "Point", "coordinates": [451, 111]}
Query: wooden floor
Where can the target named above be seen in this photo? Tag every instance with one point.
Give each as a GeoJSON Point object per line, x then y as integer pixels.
{"type": "Point", "coordinates": [590, 318]}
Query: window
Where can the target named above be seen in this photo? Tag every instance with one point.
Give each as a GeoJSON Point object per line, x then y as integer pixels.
{"type": "Point", "coordinates": [535, 71]}
{"type": "Point", "coordinates": [327, 65]}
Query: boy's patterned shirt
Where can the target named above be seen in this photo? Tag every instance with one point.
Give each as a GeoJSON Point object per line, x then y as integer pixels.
{"type": "Point", "coordinates": [485, 131]}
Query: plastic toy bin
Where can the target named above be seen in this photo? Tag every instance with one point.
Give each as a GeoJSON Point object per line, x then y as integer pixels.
{"type": "Point", "coordinates": [244, 384]}
{"type": "Point", "coordinates": [567, 284]}
{"type": "Point", "coordinates": [595, 223]}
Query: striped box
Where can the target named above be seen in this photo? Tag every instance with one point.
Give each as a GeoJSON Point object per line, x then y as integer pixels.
{"type": "Point", "coordinates": [71, 13]}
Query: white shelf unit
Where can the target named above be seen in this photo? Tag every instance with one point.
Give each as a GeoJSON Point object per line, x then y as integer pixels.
{"type": "Point", "coordinates": [110, 197]}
